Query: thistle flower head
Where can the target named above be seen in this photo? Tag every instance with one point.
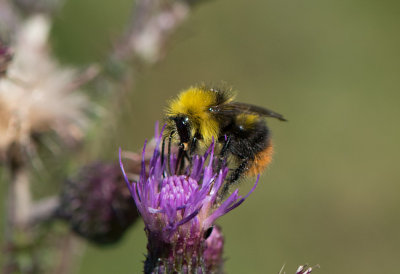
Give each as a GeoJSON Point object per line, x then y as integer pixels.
{"type": "Point", "coordinates": [36, 95]}
{"type": "Point", "coordinates": [179, 209]}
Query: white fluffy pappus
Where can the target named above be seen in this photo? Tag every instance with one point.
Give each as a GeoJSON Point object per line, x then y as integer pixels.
{"type": "Point", "coordinates": [37, 95]}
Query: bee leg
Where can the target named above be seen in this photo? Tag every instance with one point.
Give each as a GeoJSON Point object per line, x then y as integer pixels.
{"type": "Point", "coordinates": [186, 155]}
{"type": "Point", "coordinates": [169, 153]}
{"type": "Point", "coordinates": [163, 156]}
{"type": "Point", "coordinates": [224, 150]}
{"type": "Point", "coordinates": [193, 146]}
{"type": "Point", "coordinates": [235, 176]}
{"type": "Point", "coordinates": [189, 159]}
{"type": "Point", "coordinates": [192, 149]}
{"type": "Point", "coordinates": [179, 161]}
{"type": "Point", "coordinates": [182, 165]}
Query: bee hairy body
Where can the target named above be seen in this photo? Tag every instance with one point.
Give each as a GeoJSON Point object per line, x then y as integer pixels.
{"type": "Point", "coordinates": [199, 114]}
{"type": "Point", "coordinates": [193, 104]}
{"type": "Point", "coordinates": [249, 142]}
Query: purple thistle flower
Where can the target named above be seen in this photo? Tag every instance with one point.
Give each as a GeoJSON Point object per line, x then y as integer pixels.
{"type": "Point", "coordinates": [179, 212]}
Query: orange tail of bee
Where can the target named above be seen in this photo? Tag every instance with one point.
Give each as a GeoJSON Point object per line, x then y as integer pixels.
{"type": "Point", "coordinates": [261, 161]}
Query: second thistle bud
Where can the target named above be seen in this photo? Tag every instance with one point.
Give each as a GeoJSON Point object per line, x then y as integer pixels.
{"type": "Point", "coordinates": [97, 204]}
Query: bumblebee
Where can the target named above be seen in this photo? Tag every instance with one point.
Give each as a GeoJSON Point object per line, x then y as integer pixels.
{"type": "Point", "coordinates": [200, 114]}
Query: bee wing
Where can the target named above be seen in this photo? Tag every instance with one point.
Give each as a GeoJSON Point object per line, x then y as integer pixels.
{"type": "Point", "coordinates": [236, 108]}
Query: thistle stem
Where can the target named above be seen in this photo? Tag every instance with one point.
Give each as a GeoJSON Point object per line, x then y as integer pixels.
{"type": "Point", "coordinates": [18, 210]}
{"type": "Point", "coordinates": [44, 210]}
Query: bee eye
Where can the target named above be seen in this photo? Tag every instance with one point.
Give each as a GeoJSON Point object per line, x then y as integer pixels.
{"type": "Point", "coordinates": [183, 127]}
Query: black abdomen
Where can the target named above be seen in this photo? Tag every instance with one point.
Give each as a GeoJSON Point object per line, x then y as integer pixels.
{"type": "Point", "coordinates": [246, 142]}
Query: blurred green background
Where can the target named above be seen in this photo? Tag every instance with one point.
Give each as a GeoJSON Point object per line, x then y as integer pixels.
{"type": "Point", "coordinates": [331, 196]}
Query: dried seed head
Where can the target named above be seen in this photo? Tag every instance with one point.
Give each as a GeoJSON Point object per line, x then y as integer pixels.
{"type": "Point", "coordinates": [36, 95]}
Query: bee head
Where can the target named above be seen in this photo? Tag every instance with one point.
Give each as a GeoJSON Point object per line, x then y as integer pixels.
{"type": "Point", "coordinates": [182, 123]}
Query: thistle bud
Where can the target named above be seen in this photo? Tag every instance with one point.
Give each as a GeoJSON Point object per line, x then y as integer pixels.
{"type": "Point", "coordinates": [97, 204]}
{"type": "Point", "coordinates": [214, 250]}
